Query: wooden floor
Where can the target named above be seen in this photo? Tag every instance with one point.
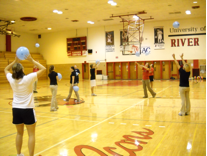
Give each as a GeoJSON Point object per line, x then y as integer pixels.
{"type": "Point", "coordinates": [118, 121]}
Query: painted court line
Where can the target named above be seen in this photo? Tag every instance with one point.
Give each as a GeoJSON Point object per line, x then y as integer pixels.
{"type": "Point", "coordinates": [193, 139]}
{"type": "Point", "coordinates": [55, 117]}
{"type": "Point", "coordinates": [161, 141]}
{"type": "Point", "coordinates": [93, 125]}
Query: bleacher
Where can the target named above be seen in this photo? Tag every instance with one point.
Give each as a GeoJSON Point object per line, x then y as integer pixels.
{"type": "Point", "coordinates": [7, 57]}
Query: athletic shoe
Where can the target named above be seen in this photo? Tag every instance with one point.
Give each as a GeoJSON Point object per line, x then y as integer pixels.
{"type": "Point", "coordinates": [35, 91]}
{"type": "Point", "coordinates": [93, 94]}
{"type": "Point", "coordinates": [181, 114]}
{"type": "Point", "coordinates": [154, 95]}
{"type": "Point", "coordinates": [65, 100]}
{"type": "Point", "coordinates": [145, 97]}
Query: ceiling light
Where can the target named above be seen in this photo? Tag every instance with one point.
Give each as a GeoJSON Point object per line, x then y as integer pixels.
{"type": "Point", "coordinates": [55, 11]}
{"type": "Point", "coordinates": [49, 28]}
{"type": "Point", "coordinates": [113, 3]}
{"type": "Point", "coordinates": [12, 21]}
{"type": "Point", "coordinates": [195, 2]}
{"type": "Point", "coordinates": [110, 1]}
{"type": "Point", "coordinates": [136, 17]}
{"type": "Point", "coordinates": [60, 12]}
{"type": "Point", "coordinates": [90, 22]}
{"type": "Point", "coordinates": [188, 12]}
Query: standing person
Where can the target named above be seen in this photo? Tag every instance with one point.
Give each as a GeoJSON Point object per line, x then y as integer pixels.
{"type": "Point", "coordinates": [151, 75]}
{"type": "Point", "coordinates": [53, 87]}
{"type": "Point", "coordinates": [184, 86]}
{"type": "Point", "coordinates": [73, 82]}
{"type": "Point", "coordinates": [145, 80]}
{"type": "Point", "coordinates": [23, 101]}
{"type": "Point", "coordinates": [77, 73]}
{"type": "Point", "coordinates": [93, 77]}
{"type": "Point", "coordinates": [35, 69]}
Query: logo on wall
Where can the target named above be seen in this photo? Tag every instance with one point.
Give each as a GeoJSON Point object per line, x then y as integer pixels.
{"type": "Point", "coordinates": [110, 41]}
{"type": "Point", "coordinates": [159, 38]}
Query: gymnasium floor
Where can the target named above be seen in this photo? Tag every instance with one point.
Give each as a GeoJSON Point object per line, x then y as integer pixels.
{"type": "Point", "coordinates": [117, 122]}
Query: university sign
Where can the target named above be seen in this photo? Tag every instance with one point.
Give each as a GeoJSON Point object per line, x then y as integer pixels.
{"type": "Point", "coordinates": [184, 41]}
{"type": "Point", "coordinates": [192, 31]}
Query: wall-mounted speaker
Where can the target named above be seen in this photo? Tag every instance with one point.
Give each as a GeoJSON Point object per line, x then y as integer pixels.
{"type": "Point", "coordinates": [90, 51]}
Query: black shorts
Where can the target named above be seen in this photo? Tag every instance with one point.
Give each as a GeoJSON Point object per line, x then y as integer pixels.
{"type": "Point", "coordinates": [151, 78]}
{"type": "Point", "coordinates": [23, 116]}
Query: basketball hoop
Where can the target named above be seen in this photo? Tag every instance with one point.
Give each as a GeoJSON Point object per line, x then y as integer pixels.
{"type": "Point", "coordinates": [133, 30]}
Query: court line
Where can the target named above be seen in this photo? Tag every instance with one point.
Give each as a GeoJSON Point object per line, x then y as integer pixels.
{"type": "Point", "coordinates": [65, 118]}
{"type": "Point", "coordinates": [57, 117]}
{"type": "Point", "coordinates": [193, 140]}
{"type": "Point", "coordinates": [94, 125]}
{"type": "Point", "coordinates": [25, 129]}
{"type": "Point", "coordinates": [161, 141]}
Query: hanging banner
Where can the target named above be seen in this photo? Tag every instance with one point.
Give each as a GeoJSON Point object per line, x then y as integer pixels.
{"type": "Point", "coordinates": [159, 38]}
{"type": "Point", "coordinates": [110, 41]}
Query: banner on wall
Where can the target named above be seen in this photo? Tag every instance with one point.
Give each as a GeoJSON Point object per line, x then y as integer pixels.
{"type": "Point", "coordinates": [109, 41]}
{"type": "Point", "coordinates": [159, 42]}
{"type": "Point", "coordinates": [123, 37]}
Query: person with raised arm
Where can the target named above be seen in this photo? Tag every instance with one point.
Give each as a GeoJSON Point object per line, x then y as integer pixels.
{"type": "Point", "coordinates": [23, 101]}
{"type": "Point", "coordinates": [184, 86]}
{"type": "Point", "coordinates": [145, 80]}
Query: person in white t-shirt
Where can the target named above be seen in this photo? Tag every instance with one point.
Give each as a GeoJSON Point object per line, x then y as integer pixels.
{"type": "Point", "coordinates": [23, 101]}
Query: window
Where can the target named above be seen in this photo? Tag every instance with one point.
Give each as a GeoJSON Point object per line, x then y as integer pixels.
{"type": "Point", "coordinates": [203, 69]}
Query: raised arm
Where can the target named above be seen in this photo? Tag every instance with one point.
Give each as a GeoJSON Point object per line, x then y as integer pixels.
{"type": "Point", "coordinates": [181, 56]}
{"type": "Point", "coordinates": [141, 66]}
{"type": "Point", "coordinates": [42, 69]}
{"type": "Point", "coordinates": [176, 62]}
{"type": "Point", "coordinates": [96, 65]}
{"type": "Point", "coordinates": [7, 68]}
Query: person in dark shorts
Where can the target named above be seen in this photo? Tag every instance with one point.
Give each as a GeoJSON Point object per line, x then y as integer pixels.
{"type": "Point", "coordinates": [184, 86]}
{"type": "Point", "coordinates": [151, 75]}
{"type": "Point", "coordinates": [93, 77]}
{"type": "Point", "coordinates": [23, 101]}
{"type": "Point", "coordinates": [145, 80]}
{"type": "Point", "coordinates": [53, 87]}
{"type": "Point", "coordinates": [73, 82]}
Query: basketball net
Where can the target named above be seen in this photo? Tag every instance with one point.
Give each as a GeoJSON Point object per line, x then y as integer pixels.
{"type": "Point", "coordinates": [133, 32]}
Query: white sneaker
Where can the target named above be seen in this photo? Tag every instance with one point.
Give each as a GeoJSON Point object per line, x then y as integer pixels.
{"type": "Point", "coordinates": [65, 100]}
{"type": "Point", "coordinates": [94, 94]}
{"type": "Point", "coordinates": [181, 114]}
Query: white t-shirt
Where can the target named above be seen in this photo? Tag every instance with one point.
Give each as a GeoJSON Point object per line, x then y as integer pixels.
{"type": "Point", "coordinates": [22, 90]}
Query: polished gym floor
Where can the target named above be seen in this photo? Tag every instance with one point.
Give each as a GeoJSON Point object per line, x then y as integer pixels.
{"type": "Point", "coordinates": [118, 121]}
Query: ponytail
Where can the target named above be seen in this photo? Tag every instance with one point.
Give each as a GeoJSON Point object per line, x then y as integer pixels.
{"type": "Point", "coordinates": [51, 68]}
{"type": "Point", "coordinates": [17, 70]}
